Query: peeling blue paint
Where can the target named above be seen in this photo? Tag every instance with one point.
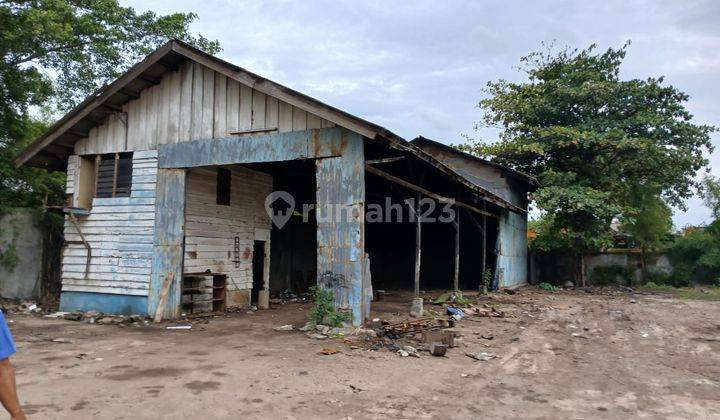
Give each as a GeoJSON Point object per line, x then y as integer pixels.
{"type": "Point", "coordinates": [103, 302]}
{"type": "Point", "coordinates": [275, 147]}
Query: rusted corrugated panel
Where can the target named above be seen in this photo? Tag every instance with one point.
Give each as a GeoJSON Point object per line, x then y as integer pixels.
{"type": "Point", "coordinates": [340, 224]}
{"type": "Point", "coordinates": [168, 242]}
{"type": "Point", "coordinates": [512, 238]}
{"type": "Point", "coordinates": [275, 147]}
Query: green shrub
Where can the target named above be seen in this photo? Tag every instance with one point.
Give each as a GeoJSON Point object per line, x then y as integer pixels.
{"type": "Point", "coordinates": [547, 286]}
{"type": "Point", "coordinates": [696, 256]}
{"type": "Point", "coordinates": [612, 274]}
{"type": "Point", "coordinates": [324, 311]}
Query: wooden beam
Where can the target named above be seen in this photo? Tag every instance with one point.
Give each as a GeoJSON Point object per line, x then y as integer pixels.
{"type": "Point", "coordinates": [411, 186]}
{"type": "Point", "coordinates": [112, 108]}
{"type": "Point", "coordinates": [129, 93]}
{"type": "Point", "coordinates": [149, 79]}
{"type": "Point", "coordinates": [384, 160]}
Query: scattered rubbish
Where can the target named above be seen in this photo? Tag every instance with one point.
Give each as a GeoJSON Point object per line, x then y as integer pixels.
{"type": "Point", "coordinates": [578, 335]}
{"type": "Point", "coordinates": [74, 316]}
{"type": "Point", "coordinates": [328, 351]}
{"type": "Point", "coordinates": [438, 349]}
{"type": "Point", "coordinates": [61, 340]}
{"type": "Point", "coordinates": [645, 335]}
{"type": "Point", "coordinates": [376, 320]}
{"type": "Point", "coordinates": [178, 327]}
{"type": "Point", "coordinates": [287, 327]}
{"type": "Point", "coordinates": [632, 301]}
{"type": "Point", "coordinates": [356, 389]}
{"type": "Point", "coordinates": [317, 336]}
{"type": "Point", "coordinates": [487, 337]}
{"type": "Point", "coordinates": [481, 356]}
{"type": "Point", "coordinates": [418, 325]}
{"type": "Point", "coordinates": [365, 332]}
{"type": "Point", "coordinates": [406, 351]}
{"type": "Point", "coordinates": [32, 307]}
{"type": "Point", "coordinates": [509, 291]}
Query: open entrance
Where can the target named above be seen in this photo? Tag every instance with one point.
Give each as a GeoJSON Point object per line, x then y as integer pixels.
{"type": "Point", "coordinates": [293, 238]}
{"type": "Point", "coordinates": [391, 237]}
{"type": "Point", "coordinates": [258, 269]}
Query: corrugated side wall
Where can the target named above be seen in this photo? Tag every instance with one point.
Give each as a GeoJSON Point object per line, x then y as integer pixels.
{"type": "Point", "coordinates": [512, 245]}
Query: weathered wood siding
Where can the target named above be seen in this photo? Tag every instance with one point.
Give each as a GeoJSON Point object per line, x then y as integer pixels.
{"type": "Point", "coordinates": [211, 229]}
{"type": "Point", "coordinates": [190, 104]}
{"type": "Point", "coordinates": [120, 232]}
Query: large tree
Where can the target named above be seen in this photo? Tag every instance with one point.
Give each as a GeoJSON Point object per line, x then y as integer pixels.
{"type": "Point", "coordinates": [597, 143]}
{"type": "Point", "coordinates": [56, 52]}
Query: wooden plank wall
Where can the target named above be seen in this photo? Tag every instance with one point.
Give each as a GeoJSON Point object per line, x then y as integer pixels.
{"type": "Point", "coordinates": [210, 229]}
{"type": "Point", "coordinates": [120, 233]}
{"type": "Point", "coordinates": [190, 104]}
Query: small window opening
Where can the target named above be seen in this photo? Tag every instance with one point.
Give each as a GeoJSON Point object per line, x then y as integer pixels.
{"type": "Point", "coordinates": [114, 175]}
{"type": "Point", "coordinates": [223, 187]}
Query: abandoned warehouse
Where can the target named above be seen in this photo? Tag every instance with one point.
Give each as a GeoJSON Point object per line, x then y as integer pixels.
{"type": "Point", "coordinates": [194, 185]}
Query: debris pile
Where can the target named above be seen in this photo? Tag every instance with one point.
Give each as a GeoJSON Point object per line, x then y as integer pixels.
{"type": "Point", "coordinates": [96, 317]}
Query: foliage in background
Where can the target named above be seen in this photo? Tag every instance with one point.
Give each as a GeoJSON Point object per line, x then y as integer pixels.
{"type": "Point", "coordinates": [56, 52]}
{"type": "Point", "coordinates": [695, 256]}
{"type": "Point", "coordinates": [324, 312]}
{"type": "Point", "coordinates": [593, 141]}
{"type": "Point", "coordinates": [711, 196]}
{"type": "Point", "coordinates": [612, 274]}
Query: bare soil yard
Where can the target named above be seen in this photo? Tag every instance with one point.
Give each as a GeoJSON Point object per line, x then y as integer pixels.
{"type": "Point", "coordinates": [568, 354]}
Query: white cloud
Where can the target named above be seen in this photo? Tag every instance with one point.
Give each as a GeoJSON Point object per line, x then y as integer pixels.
{"type": "Point", "coordinates": [418, 67]}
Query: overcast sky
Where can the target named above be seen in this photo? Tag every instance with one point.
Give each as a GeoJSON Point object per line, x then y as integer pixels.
{"type": "Point", "coordinates": [418, 67]}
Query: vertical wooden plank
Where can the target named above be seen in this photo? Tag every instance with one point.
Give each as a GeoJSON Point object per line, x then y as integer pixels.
{"type": "Point", "coordinates": [174, 102]}
{"type": "Point", "coordinates": [168, 242]}
{"type": "Point", "coordinates": [208, 103]}
{"type": "Point", "coordinates": [220, 106]}
{"type": "Point", "coordinates": [141, 140]}
{"type": "Point", "coordinates": [131, 108]}
{"type": "Point", "coordinates": [258, 110]}
{"type": "Point", "coordinates": [271, 114]}
{"type": "Point", "coordinates": [232, 107]}
{"type": "Point", "coordinates": [152, 117]}
{"type": "Point", "coordinates": [313, 121]}
{"type": "Point", "coordinates": [186, 102]}
{"type": "Point", "coordinates": [418, 245]}
{"type": "Point", "coordinates": [103, 137]}
{"type": "Point", "coordinates": [197, 102]}
{"type": "Point", "coordinates": [299, 119]}
{"type": "Point", "coordinates": [245, 117]}
{"type": "Point", "coordinates": [163, 110]}
{"type": "Point", "coordinates": [285, 117]}
{"type": "Point", "coordinates": [341, 224]}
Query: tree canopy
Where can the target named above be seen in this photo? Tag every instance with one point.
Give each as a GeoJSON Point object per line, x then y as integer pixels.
{"type": "Point", "coordinates": [56, 52]}
{"type": "Point", "coordinates": [597, 144]}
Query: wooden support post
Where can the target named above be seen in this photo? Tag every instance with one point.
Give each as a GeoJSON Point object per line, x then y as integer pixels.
{"type": "Point", "coordinates": [484, 251]}
{"type": "Point", "coordinates": [456, 223]}
{"type": "Point", "coordinates": [418, 242]}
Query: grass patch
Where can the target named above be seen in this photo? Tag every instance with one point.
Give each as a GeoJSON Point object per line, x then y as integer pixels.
{"type": "Point", "coordinates": [695, 293]}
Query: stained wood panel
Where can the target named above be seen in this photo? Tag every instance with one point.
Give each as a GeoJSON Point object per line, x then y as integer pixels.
{"type": "Point", "coordinates": [193, 103]}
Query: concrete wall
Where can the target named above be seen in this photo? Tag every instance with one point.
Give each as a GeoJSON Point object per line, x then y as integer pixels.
{"type": "Point", "coordinates": [21, 234]}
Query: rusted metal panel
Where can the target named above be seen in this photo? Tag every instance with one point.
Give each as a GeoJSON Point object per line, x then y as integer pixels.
{"type": "Point", "coordinates": [168, 241]}
{"type": "Point", "coordinates": [340, 224]}
{"type": "Point", "coordinates": [512, 244]}
{"type": "Point", "coordinates": [273, 147]}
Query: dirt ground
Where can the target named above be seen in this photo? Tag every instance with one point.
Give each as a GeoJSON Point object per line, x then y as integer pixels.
{"type": "Point", "coordinates": [561, 355]}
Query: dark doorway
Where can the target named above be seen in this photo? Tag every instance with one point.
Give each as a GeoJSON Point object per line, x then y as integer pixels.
{"type": "Point", "coordinates": [258, 267]}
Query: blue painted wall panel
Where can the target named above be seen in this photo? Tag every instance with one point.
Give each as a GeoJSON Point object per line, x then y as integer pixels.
{"type": "Point", "coordinates": [103, 302]}
{"type": "Point", "coordinates": [340, 240]}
